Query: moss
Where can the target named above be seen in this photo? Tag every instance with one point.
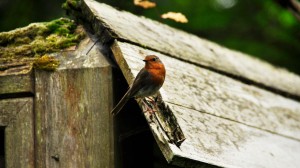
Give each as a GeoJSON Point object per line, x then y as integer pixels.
{"type": "Point", "coordinates": [39, 39]}
{"type": "Point", "coordinates": [62, 27]}
{"type": "Point", "coordinates": [46, 62]}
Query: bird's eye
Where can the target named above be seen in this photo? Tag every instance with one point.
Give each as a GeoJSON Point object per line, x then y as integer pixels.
{"type": "Point", "coordinates": [154, 59]}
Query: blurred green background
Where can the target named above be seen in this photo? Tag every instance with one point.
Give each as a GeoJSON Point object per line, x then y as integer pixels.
{"type": "Point", "coordinates": [261, 28]}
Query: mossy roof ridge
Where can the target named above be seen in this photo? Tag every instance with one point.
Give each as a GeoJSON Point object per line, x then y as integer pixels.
{"type": "Point", "coordinates": [38, 39]}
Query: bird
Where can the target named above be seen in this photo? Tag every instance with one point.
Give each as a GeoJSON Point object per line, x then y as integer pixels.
{"type": "Point", "coordinates": [147, 82]}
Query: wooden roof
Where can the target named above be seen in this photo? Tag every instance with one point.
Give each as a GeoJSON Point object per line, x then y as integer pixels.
{"type": "Point", "coordinates": [233, 110]}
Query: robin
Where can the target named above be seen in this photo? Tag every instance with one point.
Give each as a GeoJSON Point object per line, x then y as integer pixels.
{"type": "Point", "coordinates": [148, 81]}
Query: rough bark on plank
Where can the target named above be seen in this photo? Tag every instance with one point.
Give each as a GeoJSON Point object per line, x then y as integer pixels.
{"type": "Point", "coordinates": [73, 124]}
{"type": "Point", "coordinates": [197, 90]}
{"type": "Point", "coordinates": [19, 132]}
{"type": "Point", "coordinates": [190, 48]}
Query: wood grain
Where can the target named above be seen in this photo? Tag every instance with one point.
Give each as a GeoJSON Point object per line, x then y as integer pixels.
{"type": "Point", "coordinates": [196, 96]}
{"type": "Point", "coordinates": [189, 48]}
{"type": "Point", "coordinates": [10, 84]}
{"type": "Point", "coordinates": [73, 122]}
{"type": "Point", "coordinates": [163, 123]}
{"type": "Point", "coordinates": [17, 117]}
{"type": "Point", "coordinates": [226, 143]}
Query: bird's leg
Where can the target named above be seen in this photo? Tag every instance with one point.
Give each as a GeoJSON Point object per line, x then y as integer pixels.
{"type": "Point", "coordinates": [154, 99]}
{"type": "Point", "coordinates": [151, 103]}
{"type": "Point", "coordinates": [147, 106]}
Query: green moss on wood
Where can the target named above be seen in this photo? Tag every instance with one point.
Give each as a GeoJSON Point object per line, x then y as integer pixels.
{"type": "Point", "coordinates": [46, 62]}
{"type": "Point", "coordinates": [39, 39]}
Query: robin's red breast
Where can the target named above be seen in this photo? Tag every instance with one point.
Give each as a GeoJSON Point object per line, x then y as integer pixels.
{"type": "Point", "coordinates": [148, 81]}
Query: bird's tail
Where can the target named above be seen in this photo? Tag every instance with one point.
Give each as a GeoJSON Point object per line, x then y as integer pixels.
{"type": "Point", "coordinates": [120, 105]}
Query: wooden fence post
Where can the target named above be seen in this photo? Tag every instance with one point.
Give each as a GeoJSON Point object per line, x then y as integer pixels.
{"type": "Point", "coordinates": [73, 123]}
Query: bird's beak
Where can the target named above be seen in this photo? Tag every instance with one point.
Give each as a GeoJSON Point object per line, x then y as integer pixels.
{"type": "Point", "coordinates": [145, 60]}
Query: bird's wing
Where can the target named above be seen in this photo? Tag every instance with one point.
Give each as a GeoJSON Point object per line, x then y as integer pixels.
{"type": "Point", "coordinates": [141, 80]}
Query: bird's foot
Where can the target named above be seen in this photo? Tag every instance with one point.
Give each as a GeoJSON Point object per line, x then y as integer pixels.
{"type": "Point", "coordinates": [149, 105]}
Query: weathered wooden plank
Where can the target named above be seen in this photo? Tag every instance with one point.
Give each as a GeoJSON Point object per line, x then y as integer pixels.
{"type": "Point", "coordinates": [226, 143]}
{"type": "Point", "coordinates": [16, 83]}
{"type": "Point", "coordinates": [203, 90]}
{"type": "Point", "coordinates": [16, 76]}
{"type": "Point", "coordinates": [163, 122]}
{"type": "Point", "coordinates": [19, 132]}
{"type": "Point", "coordinates": [145, 32]}
{"type": "Point", "coordinates": [73, 122]}
{"type": "Point", "coordinates": [225, 101]}
{"type": "Point", "coordinates": [15, 67]}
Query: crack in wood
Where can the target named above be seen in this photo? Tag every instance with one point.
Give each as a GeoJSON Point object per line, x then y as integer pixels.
{"type": "Point", "coordinates": [229, 119]}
